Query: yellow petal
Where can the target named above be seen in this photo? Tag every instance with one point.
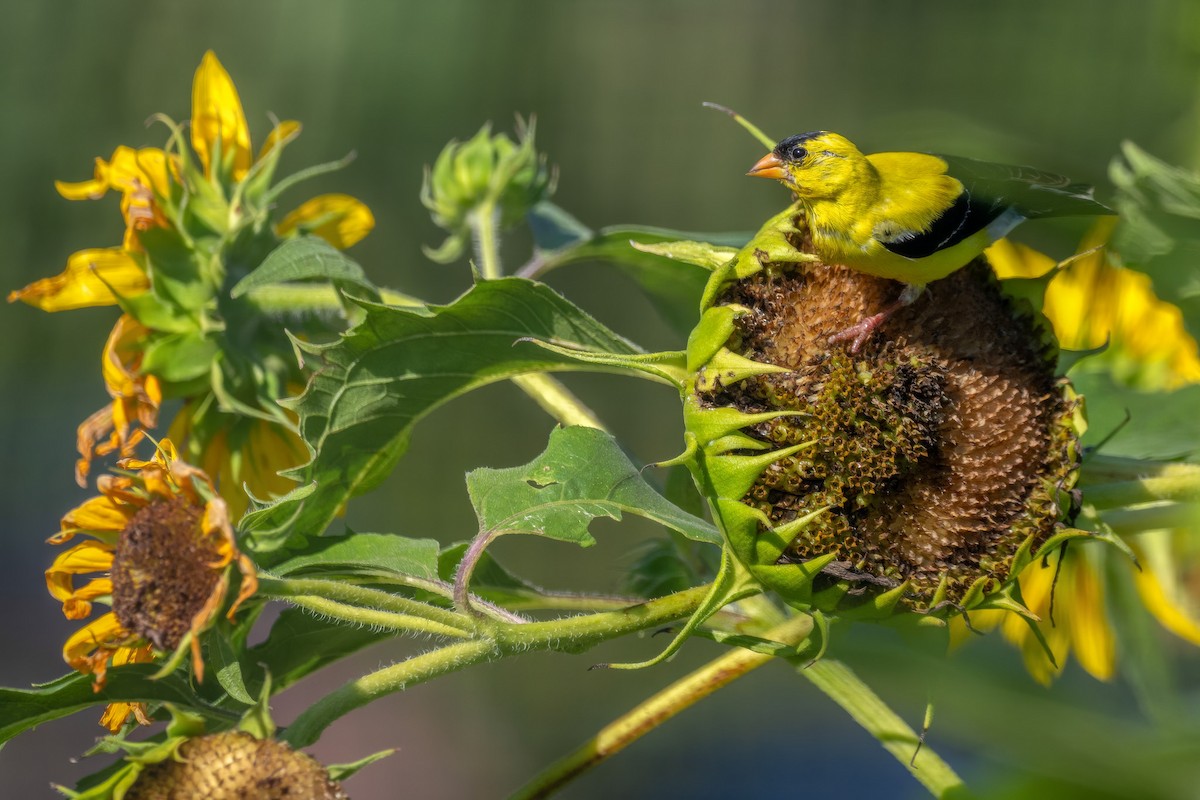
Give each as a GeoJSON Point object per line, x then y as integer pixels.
{"type": "Point", "coordinates": [339, 219]}
{"type": "Point", "coordinates": [280, 135]}
{"type": "Point", "coordinates": [219, 127]}
{"type": "Point", "coordinates": [81, 559]}
{"type": "Point", "coordinates": [86, 281]}
{"type": "Point", "coordinates": [104, 630]}
{"type": "Point", "coordinates": [1083, 614]}
{"type": "Point", "coordinates": [1012, 260]}
{"type": "Point", "coordinates": [96, 514]}
{"type": "Point", "coordinates": [1159, 603]}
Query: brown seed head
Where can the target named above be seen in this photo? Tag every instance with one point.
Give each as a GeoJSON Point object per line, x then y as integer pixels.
{"type": "Point", "coordinates": [236, 766]}
{"type": "Point", "coordinates": [941, 444]}
{"type": "Point", "coordinates": [163, 571]}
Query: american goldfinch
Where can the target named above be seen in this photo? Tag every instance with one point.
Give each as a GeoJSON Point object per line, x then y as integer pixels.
{"type": "Point", "coordinates": [911, 217]}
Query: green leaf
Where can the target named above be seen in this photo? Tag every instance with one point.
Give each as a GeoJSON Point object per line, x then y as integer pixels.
{"type": "Point", "coordinates": [366, 553]}
{"type": "Point", "coordinates": [374, 384]}
{"type": "Point", "coordinates": [300, 644]}
{"type": "Point", "coordinates": [658, 569]}
{"type": "Point", "coordinates": [674, 287]}
{"type": "Point", "coordinates": [305, 258]}
{"type": "Point", "coordinates": [1160, 424]}
{"type": "Point", "coordinates": [24, 709]}
{"type": "Point", "coordinates": [1159, 232]}
{"type": "Point", "coordinates": [583, 474]}
{"type": "Point", "coordinates": [224, 664]}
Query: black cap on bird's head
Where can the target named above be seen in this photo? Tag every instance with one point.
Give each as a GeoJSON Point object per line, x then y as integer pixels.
{"type": "Point", "coordinates": [791, 150]}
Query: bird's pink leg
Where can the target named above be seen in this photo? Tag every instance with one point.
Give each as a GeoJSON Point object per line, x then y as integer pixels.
{"type": "Point", "coordinates": [859, 332]}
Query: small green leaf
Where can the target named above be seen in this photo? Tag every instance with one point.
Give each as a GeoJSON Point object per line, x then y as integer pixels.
{"type": "Point", "coordinates": [382, 377]}
{"type": "Point", "coordinates": [582, 474]}
{"type": "Point", "coordinates": [305, 258]}
{"type": "Point", "coordinates": [223, 662]}
{"type": "Point", "coordinates": [339, 772]}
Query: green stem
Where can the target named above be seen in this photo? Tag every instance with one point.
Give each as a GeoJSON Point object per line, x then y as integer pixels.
{"type": "Point", "coordinates": [557, 400]}
{"type": "Point", "coordinates": [1115, 482]}
{"type": "Point", "coordinates": [573, 634]}
{"type": "Point", "coordinates": [1153, 517]}
{"type": "Point", "coordinates": [279, 298]}
{"type": "Point", "coordinates": [845, 688]}
{"type": "Point", "coordinates": [484, 220]}
{"type": "Point", "coordinates": [357, 615]}
{"type": "Point", "coordinates": [361, 596]}
{"type": "Point", "coordinates": [647, 716]}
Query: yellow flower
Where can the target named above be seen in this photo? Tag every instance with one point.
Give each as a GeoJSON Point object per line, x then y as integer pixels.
{"type": "Point", "coordinates": [159, 549]}
{"type": "Point", "coordinates": [1089, 303]}
{"type": "Point", "coordinates": [1092, 302]}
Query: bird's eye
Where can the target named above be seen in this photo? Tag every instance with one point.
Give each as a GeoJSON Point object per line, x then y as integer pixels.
{"type": "Point", "coordinates": [797, 153]}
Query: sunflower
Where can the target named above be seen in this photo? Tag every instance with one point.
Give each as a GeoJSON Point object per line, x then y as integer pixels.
{"type": "Point", "coordinates": [170, 273]}
{"type": "Point", "coordinates": [1088, 303]}
{"type": "Point", "coordinates": [159, 549]}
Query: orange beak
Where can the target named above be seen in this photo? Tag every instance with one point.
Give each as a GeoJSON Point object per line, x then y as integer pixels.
{"type": "Point", "coordinates": [769, 166]}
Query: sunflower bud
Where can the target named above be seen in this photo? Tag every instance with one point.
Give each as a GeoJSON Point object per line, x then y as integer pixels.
{"type": "Point", "coordinates": [487, 174]}
{"type": "Point", "coordinates": [234, 764]}
{"type": "Point", "coordinates": [920, 473]}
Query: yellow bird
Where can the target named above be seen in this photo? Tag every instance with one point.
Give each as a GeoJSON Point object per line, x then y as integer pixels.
{"type": "Point", "coordinates": [911, 217]}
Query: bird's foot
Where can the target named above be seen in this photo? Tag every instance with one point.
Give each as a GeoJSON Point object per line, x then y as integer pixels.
{"type": "Point", "coordinates": [858, 333]}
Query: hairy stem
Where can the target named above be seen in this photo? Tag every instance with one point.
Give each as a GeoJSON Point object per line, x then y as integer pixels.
{"type": "Point", "coordinates": [845, 688]}
{"type": "Point", "coordinates": [647, 716]}
{"type": "Point", "coordinates": [358, 615]}
{"type": "Point", "coordinates": [572, 634]}
{"type": "Point", "coordinates": [361, 596]}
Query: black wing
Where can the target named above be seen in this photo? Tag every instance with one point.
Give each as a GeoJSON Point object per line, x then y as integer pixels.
{"type": "Point", "coordinates": [988, 191]}
{"type": "Point", "coordinates": [1033, 193]}
{"type": "Point", "coordinates": [966, 217]}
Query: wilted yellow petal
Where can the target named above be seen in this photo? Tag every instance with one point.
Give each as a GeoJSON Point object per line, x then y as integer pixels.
{"type": "Point", "coordinates": [339, 219]}
{"type": "Point", "coordinates": [95, 515]}
{"type": "Point", "coordinates": [100, 631]}
{"type": "Point", "coordinates": [86, 281]}
{"type": "Point", "coordinates": [219, 127]}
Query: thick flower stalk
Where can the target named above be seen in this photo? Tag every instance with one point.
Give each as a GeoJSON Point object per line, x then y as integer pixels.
{"type": "Point", "coordinates": [198, 218]}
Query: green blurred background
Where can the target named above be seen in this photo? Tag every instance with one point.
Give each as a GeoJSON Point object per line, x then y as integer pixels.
{"type": "Point", "coordinates": [616, 87]}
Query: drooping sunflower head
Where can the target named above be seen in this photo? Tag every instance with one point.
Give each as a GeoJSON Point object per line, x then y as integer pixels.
{"type": "Point", "coordinates": [235, 764]}
{"type": "Point", "coordinates": [160, 550]}
{"type": "Point", "coordinates": [922, 472]}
